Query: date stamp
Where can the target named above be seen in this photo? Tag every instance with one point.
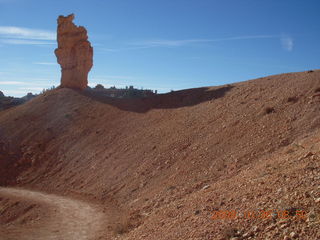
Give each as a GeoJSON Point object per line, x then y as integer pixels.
{"type": "Point", "coordinates": [258, 214]}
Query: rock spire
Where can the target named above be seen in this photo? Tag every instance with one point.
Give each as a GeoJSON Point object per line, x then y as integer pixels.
{"type": "Point", "coordinates": [74, 53]}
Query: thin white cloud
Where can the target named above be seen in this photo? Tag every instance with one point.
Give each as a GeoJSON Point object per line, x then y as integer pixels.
{"type": "Point", "coordinates": [116, 77]}
{"type": "Point", "coordinates": [287, 43]}
{"type": "Point", "coordinates": [169, 43]}
{"type": "Point", "coordinates": [155, 43]}
{"type": "Point", "coordinates": [125, 48]}
{"type": "Point", "coordinates": [11, 83]}
{"type": "Point", "coordinates": [248, 37]}
{"type": "Point", "coordinates": [183, 42]}
{"type": "Point", "coordinates": [33, 88]}
{"type": "Point", "coordinates": [22, 90]}
{"type": "Point", "coordinates": [27, 82]}
{"type": "Point", "coordinates": [26, 36]}
{"type": "Point", "coordinates": [15, 93]}
{"type": "Point", "coordinates": [45, 63]}
{"type": "Point", "coordinates": [25, 42]}
{"type": "Point", "coordinates": [26, 33]}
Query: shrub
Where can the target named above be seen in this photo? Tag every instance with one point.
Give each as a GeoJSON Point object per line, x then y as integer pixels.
{"type": "Point", "coordinates": [269, 110]}
{"type": "Point", "coordinates": [293, 99]}
{"type": "Point", "coordinates": [47, 89]}
{"type": "Point", "coordinates": [99, 87]}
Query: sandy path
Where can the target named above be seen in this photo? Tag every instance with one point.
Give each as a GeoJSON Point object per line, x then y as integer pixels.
{"type": "Point", "coordinates": [70, 219]}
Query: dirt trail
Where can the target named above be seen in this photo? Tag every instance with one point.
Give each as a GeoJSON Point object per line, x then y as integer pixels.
{"type": "Point", "coordinates": [71, 219]}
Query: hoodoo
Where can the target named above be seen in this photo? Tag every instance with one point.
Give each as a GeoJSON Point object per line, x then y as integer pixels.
{"type": "Point", "coordinates": [74, 53]}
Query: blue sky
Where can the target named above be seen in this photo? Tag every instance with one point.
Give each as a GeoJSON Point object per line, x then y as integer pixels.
{"type": "Point", "coordinates": [164, 45]}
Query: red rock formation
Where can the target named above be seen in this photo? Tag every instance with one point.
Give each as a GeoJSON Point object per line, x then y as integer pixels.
{"type": "Point", "coordinates": [74, 53]}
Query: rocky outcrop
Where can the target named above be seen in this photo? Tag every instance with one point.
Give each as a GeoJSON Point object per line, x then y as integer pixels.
{"type": "Point", "coordinates": [74, 53]}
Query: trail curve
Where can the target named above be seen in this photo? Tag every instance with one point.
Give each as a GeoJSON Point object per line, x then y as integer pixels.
{"type": "Point", "coordinates": [70, 219]}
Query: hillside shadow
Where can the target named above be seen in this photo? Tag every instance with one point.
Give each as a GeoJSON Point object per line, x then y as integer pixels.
{"type": "Point", "coordinates": [176, 99]}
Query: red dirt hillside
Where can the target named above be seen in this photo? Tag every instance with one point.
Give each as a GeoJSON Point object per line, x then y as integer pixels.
{"type": "Point", "coordinates": [160, 166]}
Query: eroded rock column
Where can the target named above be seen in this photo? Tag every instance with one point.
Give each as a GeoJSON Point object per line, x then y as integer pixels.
{"type": "Point", "coordinates": [74, 53]}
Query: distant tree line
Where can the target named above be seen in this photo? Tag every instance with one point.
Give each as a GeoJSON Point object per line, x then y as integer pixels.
{"type": "Point", "coordinates": [127, 92]}
{"type": "Point", "coordinates": [8, 101]}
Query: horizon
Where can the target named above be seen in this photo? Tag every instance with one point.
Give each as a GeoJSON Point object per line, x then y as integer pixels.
{"type": "Point", "coordinates": [164, 46]}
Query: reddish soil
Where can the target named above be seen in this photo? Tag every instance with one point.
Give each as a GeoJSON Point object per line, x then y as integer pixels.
{"type": "Point", "coordinates": [159, 167]}
{"type": "Point", "coordinates": [64, 218]}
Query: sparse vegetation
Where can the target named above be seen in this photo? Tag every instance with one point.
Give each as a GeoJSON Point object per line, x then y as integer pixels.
{"type": "Point", "coordinates": [127, 92]}
{"type": "Point", "coordinates": [145, 173]}
{"type": "Point", "coordinates": [99, 87]}
{"type": "Point", "coordinates": [47, 89]}
{"type": "Point", "coordinates": [293, 99]}
{"type": "Point", "coordinates": [67, 115]}
{"type": "Point", "coordinates": [269, 110]}
{"type": "Point", "coordinates": [8, 102]}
